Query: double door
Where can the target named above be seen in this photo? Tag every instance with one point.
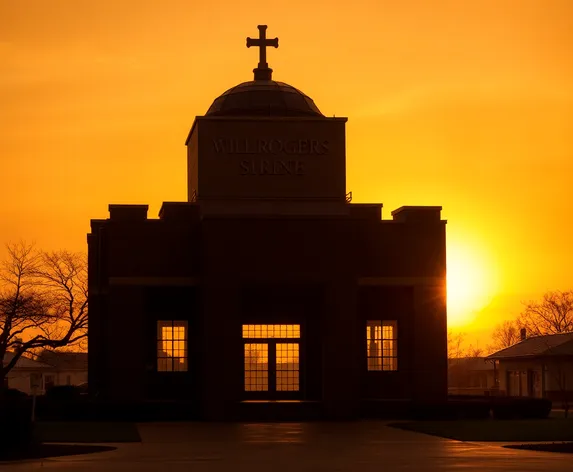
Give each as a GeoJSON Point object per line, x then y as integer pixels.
{"type": "Point", "coordinates": [272, 362]}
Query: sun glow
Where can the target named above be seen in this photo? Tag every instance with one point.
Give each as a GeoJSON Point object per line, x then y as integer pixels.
{"type": "Point", "coordinates": [471, 281]}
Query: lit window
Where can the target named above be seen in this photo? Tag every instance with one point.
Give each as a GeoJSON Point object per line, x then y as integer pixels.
{"type": "Point", "coordinates": [270, 362]}
{"type": "Point", "coordinates": [271, 331]}
{"type": "Point", "coordinates": [256, 367]}
{"type": "Point", "coordinates": [287, 368]}
{"type": "Point", "coordinates": [382, 345]}
{"type": "Point", "coordinates": [172, 346]}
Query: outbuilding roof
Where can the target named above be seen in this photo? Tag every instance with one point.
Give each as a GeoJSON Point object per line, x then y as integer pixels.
{"type": "Point", "coordinates": [548, 345]}
{"type": "Point", "coordinates": [470, 363]}
{"type": "Point", "coordinates": [65, 360]}
{"type": "Point", "coordinates": [25, 362]}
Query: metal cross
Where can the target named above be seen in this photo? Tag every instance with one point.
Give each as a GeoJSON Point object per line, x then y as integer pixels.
{"type": "Point", "coordinates": [262, 43]}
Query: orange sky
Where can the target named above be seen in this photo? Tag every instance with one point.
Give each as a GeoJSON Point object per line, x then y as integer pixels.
{"type": "Point", "coordinates": [466, 104]}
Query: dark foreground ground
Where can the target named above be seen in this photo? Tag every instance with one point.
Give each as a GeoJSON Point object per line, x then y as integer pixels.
{"type": "Point", "coordinates": [45, 451]}
{"type": "Point", "coordinates": [301, 447]}
{"type": "Point", "coordinates": [564, 448]}
{"type": "Point", "coordinates": [551, 429]}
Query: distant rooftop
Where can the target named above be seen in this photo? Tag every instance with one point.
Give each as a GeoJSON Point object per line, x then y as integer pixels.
{"type": "Point", "coordinates": [470, 363]}
{"type": "Point", "coordinates": [548, 345]}
{"type": "Point", "coordinates": [65, 360]}
{"type": "Point", "coordinates": [25, 362]}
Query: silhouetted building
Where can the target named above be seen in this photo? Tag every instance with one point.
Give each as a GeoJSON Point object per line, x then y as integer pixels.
{"type": "Point", "coordinates": [69, 368]}
{"type": "Point", "coordinates": [471, 376]}
{"type": "Point", "coordinates": [49, 369]}
{"type": "Point", "coordinates": [28, 375]}
{"type": "Point", "coordinates": [267, 283]}
{"type": "Point", "coordinates": [539, 366]}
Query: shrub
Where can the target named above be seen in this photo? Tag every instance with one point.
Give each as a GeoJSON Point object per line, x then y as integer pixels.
{"type": "Point", "coordinates": [385, 409]}
{"type": "Point", "coordinates": [16, 433]}
{"type": "Point", "coordinates": [63, 393]}
{"type": "Point", "coordinates": [12, 394]}
{"type": "Point", "coordinates": [61, 402]}
{"type": "Point", "coordinates": [452, 410]}
{"type": "Point", "coordinates": [505, 408]}
{"type": "Point", "coordinates": [475, 409]}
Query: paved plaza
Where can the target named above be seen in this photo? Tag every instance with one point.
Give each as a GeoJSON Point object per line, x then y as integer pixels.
{"type": "Point", "coordinates": [297, 447]}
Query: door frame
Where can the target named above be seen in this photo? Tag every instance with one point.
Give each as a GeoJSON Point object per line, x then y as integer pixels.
{"type": "Point", "coordinates": [272, 394]}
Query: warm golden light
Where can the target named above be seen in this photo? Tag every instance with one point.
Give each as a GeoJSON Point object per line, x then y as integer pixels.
{"type": "Point", "coordinates": [463, 104]}
{"type": "Point", "coordinates": [471, 283]}
{"type": "Point", "coordinates": [172, 346]}
{"type": "Point", "coordinates": [256, 367]}
{"type": "Point", "coordinates": [271, 331]}
{"type": "Point", "coordinates": [286, 372]}
{"type": "Point", "coordinates": [287, 367]}
{"type": "Point", "coordinates": [382, 345]}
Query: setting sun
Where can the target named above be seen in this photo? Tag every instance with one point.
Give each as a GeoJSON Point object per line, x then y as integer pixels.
{"type": "Point", "coordinates": [471, 283]}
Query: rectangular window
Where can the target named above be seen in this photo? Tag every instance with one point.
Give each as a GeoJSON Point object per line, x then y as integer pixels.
{"type": "Point", "coordinates": [287, 367]}
{"type": "Point", "coordinates": [35, 381]}
{"type": "Point", "coordinates": [172, 346]}
{"type": "Point", "coordinates": [256, 367]}
{"type": "Point", "coordinates": [272, 364]}
{"type": "Point", "coordinates": [49, 382]}
{"type": "Point", "coordinates": [382, 344]}
{"type": "Point", "coordinates": [271, 331]}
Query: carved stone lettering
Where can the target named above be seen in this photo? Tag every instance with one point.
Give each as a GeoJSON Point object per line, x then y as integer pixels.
{"type": "Point", "coordinates": [219, 146]}
{"type": "Point", "coordinates": [271, 167]}
{"type": "Point", "coordinates": [262, 146]}
{"type": "Point", "coordinates": [272, 146]}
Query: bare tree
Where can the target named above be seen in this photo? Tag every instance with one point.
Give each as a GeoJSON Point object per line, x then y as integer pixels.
{"type": "Point", "coordinates": [474, 351]}
{"type": "Point", "coordinates": [504, 335]}
{"type": "Point", "coordinates": [43, 302]}
{"type": "Point", "coordinates": [552, 315]}
{"type": "Point", "coordinates": [456, 344]}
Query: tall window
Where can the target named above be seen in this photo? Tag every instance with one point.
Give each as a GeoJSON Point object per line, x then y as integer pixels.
{"type": "Point", "coordinates": [172, 346]}
{"type": "Point", "coordinates": [382, 344]}
{"type": "Point", "coordinates": [287, 367]}
{"type": "Point", "coordinates": [256, 367]}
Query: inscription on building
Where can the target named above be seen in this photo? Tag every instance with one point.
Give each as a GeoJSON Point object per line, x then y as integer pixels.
{"type": "Point", "coordinates": [271, 167]}
{"type": "Point", "coordinates": [271, 147]}
{"type": "Point", "coordinates": [288, 147]}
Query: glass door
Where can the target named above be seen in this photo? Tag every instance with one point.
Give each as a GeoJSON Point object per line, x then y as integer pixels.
{"type": "Point", "coordinates": [272, 361]}
{"type": "Point", "coordinates": [256, 367]}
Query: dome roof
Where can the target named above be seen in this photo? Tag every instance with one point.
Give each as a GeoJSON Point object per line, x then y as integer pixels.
{"type": "Point", "coordinates": [263, 98]}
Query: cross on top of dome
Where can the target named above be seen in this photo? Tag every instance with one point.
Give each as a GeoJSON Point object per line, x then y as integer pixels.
{"type": "Point", "coordinates": [263, 72]}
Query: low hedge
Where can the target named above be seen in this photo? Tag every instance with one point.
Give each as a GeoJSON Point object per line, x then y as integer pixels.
{"type": "Point", "coordinates": [508, 408]}
{"type": "Point", "coordinates": [17, 431]}
{"type": "Point", "coordinates": [451, 410]}
{"type": "Point", "coordinates": [63, 394]}
{"type": "Point", "coordinates": [479, 408]}
{"type": "Point", "coordinates": [86, 409]}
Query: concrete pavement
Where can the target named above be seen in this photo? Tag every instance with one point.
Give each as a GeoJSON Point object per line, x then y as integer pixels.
{"type": "Point", "coordinates": [298, 447]}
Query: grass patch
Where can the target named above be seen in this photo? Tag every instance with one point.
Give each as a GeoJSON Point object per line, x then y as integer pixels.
{"type": "Point", "coordinates": [86, 432]}
{"type": "Point", "coordinates": [495, 430]}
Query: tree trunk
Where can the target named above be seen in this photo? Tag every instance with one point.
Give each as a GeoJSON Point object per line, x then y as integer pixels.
{"type": "Point", "coordinates": [3, 382]}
